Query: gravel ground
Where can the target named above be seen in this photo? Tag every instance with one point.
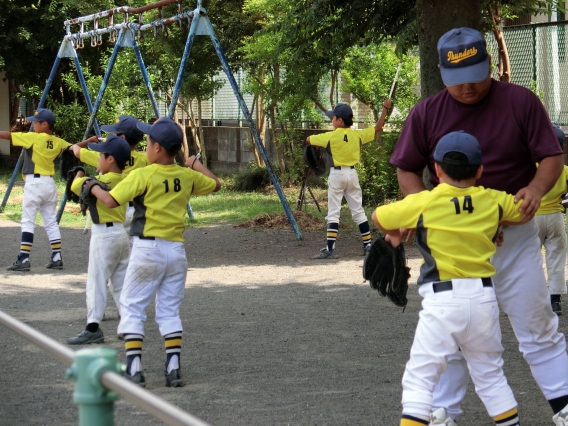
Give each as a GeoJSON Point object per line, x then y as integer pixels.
{"type": "Point", "coordinates": [271, 337]}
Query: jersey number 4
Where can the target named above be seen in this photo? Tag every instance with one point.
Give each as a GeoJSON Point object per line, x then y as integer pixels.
{"type": "Point", "coordinates": [467, 204]}
{"type": "Point", "coordinates": [177, 185]}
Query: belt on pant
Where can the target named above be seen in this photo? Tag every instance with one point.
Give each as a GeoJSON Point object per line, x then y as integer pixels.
{"type": "Point", "coordinates": [131, 204]}
{"type": "Point", "coordinates": [147, 238]}
{"type": "Point", "coordinates": [109, 224]}
{"type": "Point", "coordinates": [341, 167]}
{"type": "Point", "coordinates": [37, 175]}
{"type": "Point", "coordinates": [447, 285]}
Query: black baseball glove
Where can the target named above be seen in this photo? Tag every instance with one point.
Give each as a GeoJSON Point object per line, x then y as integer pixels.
{"type": "Point", "coordinates": [86, 198]}
{"type": "Point", "coordinates": [385, 268]}
{"type": "Point", "coordinates": [314, 157]}
{"type": "Point", "coordinates": [68, 162]}
{"type": "Point", "coordinates": [71, 196]}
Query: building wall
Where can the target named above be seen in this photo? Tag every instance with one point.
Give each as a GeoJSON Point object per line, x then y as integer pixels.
{"type": "Point", "coordinates": [4, 114]}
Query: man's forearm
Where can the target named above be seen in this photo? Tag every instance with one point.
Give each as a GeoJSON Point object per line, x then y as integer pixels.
{"type": "Point", "coordinates": [547, 174]}
{"type": "Point", "coordinates": [104, 197]}
{"type": "Point", "coordinates": [409, 182]}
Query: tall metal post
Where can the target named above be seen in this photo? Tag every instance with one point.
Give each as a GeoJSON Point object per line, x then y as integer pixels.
{"type": "Point", "coordinates": [146, 79]}
{"type": "Point", "coordinates": [253, 129]}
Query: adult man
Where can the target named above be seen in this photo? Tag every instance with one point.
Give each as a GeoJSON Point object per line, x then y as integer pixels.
{"type": "Point", "coordinates": [515, 132]}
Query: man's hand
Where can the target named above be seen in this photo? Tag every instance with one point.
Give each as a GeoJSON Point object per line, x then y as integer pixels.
{"type": "Point", "coordinates": [530, 201]}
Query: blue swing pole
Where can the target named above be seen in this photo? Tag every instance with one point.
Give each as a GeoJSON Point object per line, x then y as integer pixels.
{"type": "Point", "coordinates": [253, 129]}
{"type": "Point", "coordinates": [146, 79]}
{"type": "Point", "coordinates": [40, 105]}
{"type": "Point", "coordinates": [95, 108]}
{"type": "Point", "coordinates": [183, 64]}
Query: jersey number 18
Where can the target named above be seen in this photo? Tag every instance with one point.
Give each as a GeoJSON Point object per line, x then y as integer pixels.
{"type": "Point", "coordinates": [177, 185]}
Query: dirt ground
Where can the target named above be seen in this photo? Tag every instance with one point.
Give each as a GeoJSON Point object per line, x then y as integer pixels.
{"type": "Point", "coordinates": [271, 337]}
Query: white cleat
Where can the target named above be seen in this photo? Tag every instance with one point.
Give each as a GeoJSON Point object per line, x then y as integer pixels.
{"type": "Point", "coordinates": [561, 418]}
{"type": "Point", "coordinates": [440, 417]}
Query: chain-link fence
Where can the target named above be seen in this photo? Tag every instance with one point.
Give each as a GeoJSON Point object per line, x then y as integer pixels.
{"type": "Point", "coordinates": [537, 53]}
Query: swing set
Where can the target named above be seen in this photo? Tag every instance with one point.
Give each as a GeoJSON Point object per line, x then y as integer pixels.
{"type": "Point", "coordinates": [125, 35]}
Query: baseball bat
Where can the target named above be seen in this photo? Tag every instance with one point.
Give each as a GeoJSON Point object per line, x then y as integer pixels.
{"type": "Point", "coordinates": [395, 78]}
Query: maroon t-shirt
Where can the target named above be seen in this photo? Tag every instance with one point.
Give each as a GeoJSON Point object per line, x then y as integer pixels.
{"type": "Point", "coordinates": [511, 124]}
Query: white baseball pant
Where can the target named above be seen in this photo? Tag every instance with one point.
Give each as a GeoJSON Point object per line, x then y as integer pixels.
{"type": "Point", "coordinates": [552, 234]}
{"type": "Point", "coordinates": [156, 267]}
{"type": "Point", "coordinates": [341, 183]}
{"type": "Point", "coordinates": [109, 251]}
{"type": "Point", "coordinates": [40, 195]}
{"type": "Point", "coordinates": [522, 294]}
{"type": "Point", "coordinates": [466, 318]}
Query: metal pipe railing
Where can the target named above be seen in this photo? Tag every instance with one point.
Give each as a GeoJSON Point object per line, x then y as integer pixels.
{"type": "Point", "coordinates": [153, 404]}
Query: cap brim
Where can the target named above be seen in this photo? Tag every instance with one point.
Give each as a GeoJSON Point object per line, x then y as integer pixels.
{"type": "Point", "coordinates": [472, 74]}
{"type": "Point", "coordinates": [99, 147]}
{"type": "Point", "coordinates": [144, 127]}
{"type": "Point", "coordinates": [109, 128]}
{"type": "Point", "coordinates": [330, 113]}
{"type": "Point", "coordinates": [32, 118]}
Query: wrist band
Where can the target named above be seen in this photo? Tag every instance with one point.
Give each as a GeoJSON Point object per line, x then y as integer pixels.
{"type": "Point", "coordinates": [194, 160]}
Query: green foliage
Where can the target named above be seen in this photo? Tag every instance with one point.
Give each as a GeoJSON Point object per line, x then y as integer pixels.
{"type": "Point", "coordinates": [377, 176]}
{"type": "Point", "coordinates": [368, 73]}
{"type": "Point", "coordinates": [254, 178]}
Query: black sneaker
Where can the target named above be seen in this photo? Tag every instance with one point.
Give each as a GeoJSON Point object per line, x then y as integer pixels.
{"type": "Point", "coordinates": [138, 378]}
{"type": "Point", "coordinates": [326, 254]}
{"type": "Point", "coordinates": [87, 337]}
{"type": "Point", "coordinates": [557, 308]}
{"type": "Point", "coordinates": [19, 266]}
{"type": "Point", "coordinates": [173, 380]}
{"type": "Point", "coordinates": [55, 264]}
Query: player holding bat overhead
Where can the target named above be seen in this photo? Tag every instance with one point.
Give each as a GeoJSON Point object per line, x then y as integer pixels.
{"type": "Point", "coordinates": [515, 133]}
{"type": "Point", "coordinates": [158, 264]}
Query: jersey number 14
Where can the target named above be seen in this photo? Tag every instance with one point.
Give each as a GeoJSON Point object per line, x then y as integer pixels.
{"type": "Point", "coordinates": [467, 204]}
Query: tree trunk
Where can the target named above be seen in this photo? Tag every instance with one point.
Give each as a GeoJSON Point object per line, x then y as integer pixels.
{"type": "Point", "coordinates": [434, 18]}
{"type": "Point", "coordinates": [194, 129]}
{"type": "Point", "coordinates": [332, 89]}
{"type": "Point", "coordinates": [201, 139]}
{"type": "Point", "coordinates": [15, 104]}
{"type": "Point", "coordinates": [256, 110]}
{"type": "Point", "coordinates": [261, 128]}
{"type": "Point", "coordinates": [504, 62]}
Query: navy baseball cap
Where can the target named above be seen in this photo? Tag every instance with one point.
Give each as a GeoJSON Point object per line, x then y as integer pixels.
{"type": "Point", "coordinates": [125, 124]}
{"type": "Point", "coordinates": [115, 146]}
{"type": "Point", "coordinates": [461, 142]}
{"type": "Point", "coordinates": [463, 57]}
{"type": "Point", "coordinates": [341, 111]}
{"type": "Point", "coordinates": [165, 131]}
{"type": "Point", "coordinates": [559, 134]}
{"type": "Point", "coordinates": [42, 114]}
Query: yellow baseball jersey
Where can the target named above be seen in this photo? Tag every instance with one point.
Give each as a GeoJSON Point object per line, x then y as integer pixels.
{"type": "Point", "coordinates": [550, 203]}
{"type": "Point", "coordinates": [40, 150]}
{"type": "Point", "coordinates": [160, 194]}
{"type": "Point", "coordinates": [137, 159]}
{"type": "Point", "coordinates": [455, 228]}
{"type": "Point", "coordinates": [343, 144]}
{"type": "Point", "coordinates": [98, 211]}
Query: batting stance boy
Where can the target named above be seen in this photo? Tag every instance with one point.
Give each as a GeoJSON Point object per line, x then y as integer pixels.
{"type": "Point", "coordinates": [40, 149]}
{"type": "Point", "coordinates": [456, 225]}
{"type": "Point", "coordinates": [158, 264]}
{"type": "Point", "coordinates": [109, 249]}
{"type": "Point", "coordinates": [343, 147]}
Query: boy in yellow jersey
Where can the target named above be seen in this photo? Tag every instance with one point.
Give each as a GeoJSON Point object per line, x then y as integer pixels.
{"type": "Point", "coordinates": [40, 149]}
{"type": "Point", "coordinates": [109, 249]}
{"type": "Point", "coordinates": [456, 225]}
{"type": "Point", "coordinates": [343, 147]}
{"type": "Point", "coordinates": [125, 128]}
{"type": "Point", "coordinates": [158, 264]}
{"type": "Point", "coordinates": [552, 233]}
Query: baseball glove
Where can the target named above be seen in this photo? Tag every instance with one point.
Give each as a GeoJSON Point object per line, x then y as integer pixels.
{"type": "Point", "coordinates": [68, 162]}
{"type": "Point", "coordinates": [71, 196]}
{"type": "Point", "coordinates": [314, 157]}
{"type": "Point", "coordinates": [86, 198]}
{"type": "Point", "coordinates": [385, 268]}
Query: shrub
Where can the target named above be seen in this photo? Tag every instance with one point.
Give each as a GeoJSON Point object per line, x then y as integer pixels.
{"type": "Point", "coordinates": [252, 179]}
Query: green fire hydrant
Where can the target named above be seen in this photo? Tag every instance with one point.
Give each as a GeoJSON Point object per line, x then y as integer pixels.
{"type": "Point", "coordinates": [96, 403]}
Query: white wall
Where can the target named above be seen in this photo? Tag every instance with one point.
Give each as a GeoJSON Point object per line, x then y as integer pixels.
{"type": "Point", "coordinates": [4, 114]}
